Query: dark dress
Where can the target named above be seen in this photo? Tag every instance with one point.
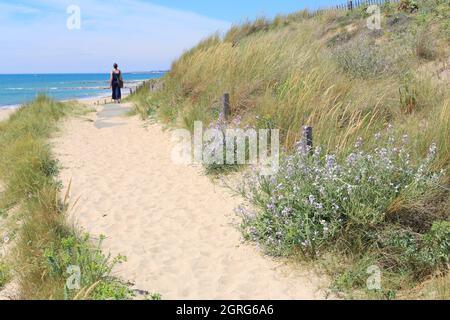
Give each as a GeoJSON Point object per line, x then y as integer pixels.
{"type": "Point", "coordinates": [116, 92]}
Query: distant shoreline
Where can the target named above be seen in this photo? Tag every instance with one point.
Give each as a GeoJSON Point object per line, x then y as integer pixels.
{"type": "Point", "coordinates": [85, 99]}
{"type": "Point", "coordinates": [81, 73]}
{"type": "Point", "coordinates": [6, 111]}
{"type": "Point", "coordinates": [99, 89]}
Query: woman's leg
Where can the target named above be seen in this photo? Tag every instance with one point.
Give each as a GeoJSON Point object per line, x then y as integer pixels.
{"type": "Point", "coordinates": [115, 92]}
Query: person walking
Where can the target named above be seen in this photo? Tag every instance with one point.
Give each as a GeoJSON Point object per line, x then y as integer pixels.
{"type": "Point", "coordinates": [116, 83]}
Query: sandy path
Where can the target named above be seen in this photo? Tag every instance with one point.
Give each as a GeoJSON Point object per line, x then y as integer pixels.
{"type": "Point", "coordinates": [172, 223]}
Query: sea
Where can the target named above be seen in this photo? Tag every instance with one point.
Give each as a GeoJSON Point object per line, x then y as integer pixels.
{"type": "Point", "coordinates": [17, 89]}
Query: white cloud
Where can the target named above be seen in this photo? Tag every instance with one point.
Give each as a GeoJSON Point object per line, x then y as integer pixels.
{"type": "Point", "coordinates": [139, 35]}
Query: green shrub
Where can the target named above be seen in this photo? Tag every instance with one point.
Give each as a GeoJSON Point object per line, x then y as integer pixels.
{"type": "Point", "coordinates": [436, 246]}
{"type": "Point", "coordinates": [154, 296]}
{"type": "Point", "coordinates": [112, 290]}
{"type": "Point", "coordinates": [363, 59]}
{"type": "Point", "coordinates": [4, 274]}
{"type": "Point", "coordinates": [94, 266]}
{"type": "Point", "coordinates": [408, 98]}
{"type": "Point", "coordinates": [418, 254]}
{"type": "Point", "coordinates": [321, 201]}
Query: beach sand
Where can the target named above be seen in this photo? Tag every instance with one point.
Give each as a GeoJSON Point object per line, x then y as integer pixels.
{"type": "Point", "coordinates": [5, 113]}
{"type": "Point", "coordinates": [175, 226]}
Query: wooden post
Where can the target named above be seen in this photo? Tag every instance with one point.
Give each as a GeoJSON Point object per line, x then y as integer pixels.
{"type": "Point", "coordinates": [309, 138]}
{"type": "Point", "coordinates": [350, 5]}
{"type": "Point", "coordinates": [226, 106]}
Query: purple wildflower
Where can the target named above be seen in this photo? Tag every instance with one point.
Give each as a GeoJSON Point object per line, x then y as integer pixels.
{"type": "Point", "coordinates": [359, 143]}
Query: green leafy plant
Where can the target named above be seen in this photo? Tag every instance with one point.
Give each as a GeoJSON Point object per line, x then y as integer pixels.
{"type": "Point", "coordinates": [94, 266]}
{"type": "Point", "coordinates": [320, 201]}
{"type": "Point", "coordinates": [408, 98]}
{"type": "Point", "coordinates": [154, 296]}
{"type": "Point", "coordinates": [112, 290]}
{"type": "Point", "coordinates": [362, 58]}
{"type": "Point", "coordinates": [5, 274]}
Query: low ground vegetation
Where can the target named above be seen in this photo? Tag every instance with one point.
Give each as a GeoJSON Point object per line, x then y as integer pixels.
{"type": "Point", "coordinates": [384, 202]}
{"type": "Point", "coordinates": [45, 245]}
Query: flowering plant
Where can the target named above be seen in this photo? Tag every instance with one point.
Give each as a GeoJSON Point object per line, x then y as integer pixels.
{"type": "Point", "coordinates": [317, 197]}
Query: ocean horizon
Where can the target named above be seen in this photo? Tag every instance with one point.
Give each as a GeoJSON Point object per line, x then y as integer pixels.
{"type": "Point", "coordinates": [18, 89]}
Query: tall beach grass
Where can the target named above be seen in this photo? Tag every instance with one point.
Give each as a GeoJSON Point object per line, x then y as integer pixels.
{"type": "Point", "coordinates": [45, 244]}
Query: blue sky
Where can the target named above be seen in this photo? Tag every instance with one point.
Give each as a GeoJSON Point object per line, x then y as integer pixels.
{"type": "Point", "coordinates": [233, 10]}
{"type": "Point", "coordinates": [138, 34]}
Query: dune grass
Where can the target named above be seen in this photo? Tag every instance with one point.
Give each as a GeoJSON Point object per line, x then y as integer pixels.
{"type": "Point", "coordinates": [4, 274]}
{"type": "Point", "coordinates": [349, 83]}
{"type": "Point", "coordinates": [300, 74]}
{"type": "Point", "coordinates": [45, 245]}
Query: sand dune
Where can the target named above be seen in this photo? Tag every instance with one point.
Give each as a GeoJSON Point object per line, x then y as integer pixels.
{"type": "Point", "coordinates": [176, 228]}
